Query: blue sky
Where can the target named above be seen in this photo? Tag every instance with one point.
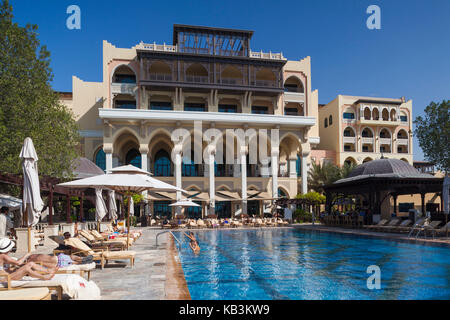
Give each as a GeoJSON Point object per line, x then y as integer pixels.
{"type": "Point", "coordinates": [409, 56]}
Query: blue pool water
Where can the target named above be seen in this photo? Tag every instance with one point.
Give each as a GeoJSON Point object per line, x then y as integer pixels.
{"type": "Point", "coordinates": [284, 263]}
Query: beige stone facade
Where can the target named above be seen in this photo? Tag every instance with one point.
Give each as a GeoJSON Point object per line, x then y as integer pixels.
{"type": "Point", "coordinates": [361, 129]}
{"type": "Point", "coordinates": [150, 93]}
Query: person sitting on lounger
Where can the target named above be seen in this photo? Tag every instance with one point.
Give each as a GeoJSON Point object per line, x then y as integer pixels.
{"type": "Point", "coordinates": [62, 246]}
{"type": "Point", "coordinates": [31, 269]}
{"type": "Point", "coordinates": [193, 242]}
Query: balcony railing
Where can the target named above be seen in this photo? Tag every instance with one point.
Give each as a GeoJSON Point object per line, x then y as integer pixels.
{"type": "Point", "coordinates": [197, 79]}
{"type": "Point", "coordinates": [160, 76]}
{"type": "Point", "coordinates": [171, 77]}
{"type": "Point", "coordinates": [231, 81]}
{"type": "Point", "coordinates": [169, 48]}
{"type": "Point", "coordinates": [385, 141]}
{"type": "Point", "coordinates": [269, 55]}
{"type": "Point", "coordinates": [402, 142]}
{"type": "Point", "coordinates": [349, 139]}
{"type": "Point", "coordinates": [368, 140]}
{"type": "Point", "coordinates": [158, 47]}
{"type": "Point", "coordinates": [123, 88]}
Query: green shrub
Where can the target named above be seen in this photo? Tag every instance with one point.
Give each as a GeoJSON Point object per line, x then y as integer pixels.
{"type": "Point", "coordinates": [301, 215]}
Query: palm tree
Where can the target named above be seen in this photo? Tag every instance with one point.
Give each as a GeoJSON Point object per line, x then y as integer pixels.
{"type": "Point", "coordinates": [326, 173]}
{"type": "Point", "coordinates": [346, 169]}
{"type": "Point", "coordinates": [322, 174]}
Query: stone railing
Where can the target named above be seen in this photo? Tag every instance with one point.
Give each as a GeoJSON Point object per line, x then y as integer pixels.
{"type": "Point", "coordinates": [266, 55]}
{"type": "Point", "coordinates": [157, 47]}
{"type": "Point", "coordinates": [123, 88]}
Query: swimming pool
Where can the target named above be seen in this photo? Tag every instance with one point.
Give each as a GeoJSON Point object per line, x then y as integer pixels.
{"type": "Point", "coordinates": [284, 263]}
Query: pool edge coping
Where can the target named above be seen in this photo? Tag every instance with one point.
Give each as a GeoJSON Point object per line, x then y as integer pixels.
{"type": "Point", "coordinates": [176, 286]}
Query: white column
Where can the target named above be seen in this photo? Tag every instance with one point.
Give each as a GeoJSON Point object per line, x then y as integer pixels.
{"type": "Point", "coordinates": [275, 154]}
{"type": "Point", "coordinates": [144, 159]}
{"type": "Point", "coordinates": [109, 160]}
{"type": "Point", "coordinates": [304, 173]}
{"type": "Point", "coordinates": [243, 154]}
{"type": "Point", "coordinates": [178, 183]}
{"type": "Point", "coordinates": [212, 186]}
{"type": "Point", "coordinates": [292, 168]}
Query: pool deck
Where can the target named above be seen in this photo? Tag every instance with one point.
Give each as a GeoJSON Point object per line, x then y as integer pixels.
{"type": "Point", "coordinates": [156, 275]}
{"type": "Point", "coordinates": [442, 241]}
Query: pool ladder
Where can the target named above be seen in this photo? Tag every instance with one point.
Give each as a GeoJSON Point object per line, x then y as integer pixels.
{"type": "Point", "coordinates": [420, 227]}
{"type": "Point", "coordinates": [170, 233]}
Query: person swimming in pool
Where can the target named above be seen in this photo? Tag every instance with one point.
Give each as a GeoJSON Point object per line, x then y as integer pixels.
{"type": "Point", "coordinates": [193, 242]}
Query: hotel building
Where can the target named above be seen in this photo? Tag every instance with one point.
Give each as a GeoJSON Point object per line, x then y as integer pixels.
{"type": "Point", "coordinates": [360, 129]}
{"type": "Point", "coordinates": [151, 93]}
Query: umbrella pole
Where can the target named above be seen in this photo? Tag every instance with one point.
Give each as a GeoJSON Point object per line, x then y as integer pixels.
{"type": "Point", "coordinates": [128, 218]}
{"type": "Point", "coordinates": [25, 222]}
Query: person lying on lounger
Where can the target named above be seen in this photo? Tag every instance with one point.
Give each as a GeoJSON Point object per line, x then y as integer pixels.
{"type": "Point", "coordinates": [60, 261]}
{"type": "Point", "coordinates": [28, 269]}
{"type": "Point", "coordinates": [193, 242]}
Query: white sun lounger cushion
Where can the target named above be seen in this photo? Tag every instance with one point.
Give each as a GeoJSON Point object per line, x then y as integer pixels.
{"type": "Point", "coordinates": [73, 285]}
{"type": "Point", "coordinates": [79, 267]}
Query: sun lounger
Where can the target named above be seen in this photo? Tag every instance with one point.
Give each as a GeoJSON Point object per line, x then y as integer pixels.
{"type": "Point", "coordinates": [117, 237]}
{"type": "Point", "coordinates": [95, 242]}
{"type": "Point", "coordinates": [72, 285]}
{"type": "Point", "coordinates": [26, 294]}
{"type": "Point", "coordinates": [441, 231]}
{"type": "Point", "coordinates": [392, 223]}
{"type": "Point", "coordinates": [429, 227]}
{"type": "Point", "coordinates": [382, 222]}
{"type": "Point", "coordinates": [201, 223]}
{"type": "Point", "coordinates": [404, 226]}
{"type": "Point", "coordinates": [192, 224]}
{"type": "Point", "coordinates": [100, 255]}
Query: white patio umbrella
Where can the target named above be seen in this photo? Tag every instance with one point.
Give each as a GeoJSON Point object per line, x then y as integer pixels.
{"type": "Point", "coordinates": [125, 180]}
{"type": "Point", "coordinates": [100, 207]}
{"type": "Point", "coordinates": [184, 203]}
{"type": "Point", "coordinates": [32, 200]}
{"type": "Point", "coordinates": [112, 205]}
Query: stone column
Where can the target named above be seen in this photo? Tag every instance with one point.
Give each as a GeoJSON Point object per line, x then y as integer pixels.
{"type": "Point", "coordinates": [305, 172]}
{"type": "Point", "coordinates": [212, 186]}
{"type": "Point", "coordinates": [293, 168]}
{"type": "Point", "coordinates": [243, 155]}
{"type": "Point", "coordinates": [109, 158]}
{"type": "Point", "coordinates": [178, 183]}
{"type": "Point", "coordinates": [144, 158]}
{"type": "Point", "coordinates": [275, 155]}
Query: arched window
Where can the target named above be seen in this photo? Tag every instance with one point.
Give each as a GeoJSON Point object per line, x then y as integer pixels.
{"type": "Point", "coordinates": [100, 159]}
{"type": "Point", "coordinates": [326, 123]}
{"type": "Point", "coordinates": [189, 168]}
{"type": "Point", "coordinates": [349, 132]}
{"type": "Point", "coordinates": [367, 133]}
{"type": "Point", "coordinates": [163, 165]}
{"type": "Point", "coordinates": [162, 209]}
{"type": "Point", "coordinates": [349, 114]}
{"type": "Point", "coordinates": [403, 116]}
{"type": "Point", "coordinates": [282, 194]}
{"type": "Point", "coordinates": [194, 212]}
{"type": "Point", "coordinates": [330, 121]}
{"type": "Point", "coordinates": [133, 157]}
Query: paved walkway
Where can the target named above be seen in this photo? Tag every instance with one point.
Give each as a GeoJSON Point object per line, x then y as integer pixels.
{"type": "Point", "coordinates": [147, 279]}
